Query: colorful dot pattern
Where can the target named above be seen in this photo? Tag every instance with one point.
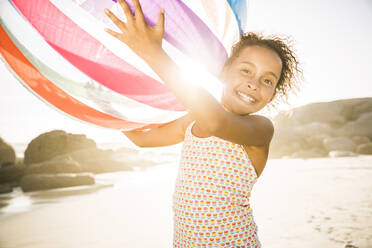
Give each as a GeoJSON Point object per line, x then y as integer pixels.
{"type": "Point", "coordinates": [211, 199]}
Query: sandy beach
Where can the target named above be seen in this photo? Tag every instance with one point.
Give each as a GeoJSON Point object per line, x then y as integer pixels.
{"type": "Point", "coordinates": [323, 202]}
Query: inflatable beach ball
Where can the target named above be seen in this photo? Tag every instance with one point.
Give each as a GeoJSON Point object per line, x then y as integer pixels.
{"type": "Point", "coordinates": [59, 51]}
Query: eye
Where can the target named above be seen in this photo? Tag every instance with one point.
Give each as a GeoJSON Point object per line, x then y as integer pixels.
{"type": "Point", "coordinates": [246, 71]}
{"type": "Point", "coordinates": [269, 82]}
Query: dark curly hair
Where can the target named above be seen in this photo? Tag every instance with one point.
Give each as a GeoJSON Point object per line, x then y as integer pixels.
{"type": "Point", "coordinates": [291, 72]}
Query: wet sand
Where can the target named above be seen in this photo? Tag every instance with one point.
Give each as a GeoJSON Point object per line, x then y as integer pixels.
{"type": "Point", "coordinates": [296, 203]}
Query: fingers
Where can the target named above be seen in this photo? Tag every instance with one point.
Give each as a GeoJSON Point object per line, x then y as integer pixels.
{"type": "Point", "coordinates": [113, 33]}
{"type": "Point", "coordinates": [138, 11]}
{"type": "Point", "coordinates": [115, 20]}
{"type": "Point", "coordinates": [127, 12]}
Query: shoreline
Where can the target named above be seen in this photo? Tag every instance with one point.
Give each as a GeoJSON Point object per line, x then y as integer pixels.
{"type": "Point", "coordinates": [324, 202]}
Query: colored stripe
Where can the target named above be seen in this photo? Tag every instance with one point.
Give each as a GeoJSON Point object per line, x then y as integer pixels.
{"type": "Point", "coordinates": [219, 17]}
{"type": "Point", "coordinates": [240, 10]}
{"type": "Point", "coordinates": [37, 83]}
{"type": "Point", "coordinates": [107, 69]}
{"type": "Point", "coordinates": [89, 56]}
{"type": "Point", "coordinates": [47, 61]}
{"type": "Point", "coordinates": [60, 20]}
{"type": "Point", "coordinates": [183, 29]}
{"type": "Point", "coordinates": [207, 51]}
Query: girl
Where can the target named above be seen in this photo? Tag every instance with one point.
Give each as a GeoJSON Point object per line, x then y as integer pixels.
{"type": "Point", "coordinates": [225, 146]}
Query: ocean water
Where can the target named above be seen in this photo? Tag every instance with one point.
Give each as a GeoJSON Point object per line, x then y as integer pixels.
{"type": "Point", "coordinates": [174, 150]}
{"type": "Point", "coordinates": [320, 202]}
{"type": "Point", "coordinates": [19, 202]}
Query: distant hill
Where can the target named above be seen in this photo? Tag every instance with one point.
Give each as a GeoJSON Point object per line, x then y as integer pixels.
{"type": "Point", "coordinates": [336, 128]}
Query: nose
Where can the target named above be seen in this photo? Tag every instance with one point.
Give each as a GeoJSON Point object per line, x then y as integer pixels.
{"type": "Point", "coordinates": [252, 84]}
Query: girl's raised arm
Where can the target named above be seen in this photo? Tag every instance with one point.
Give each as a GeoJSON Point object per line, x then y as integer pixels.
{"type": "Point", "coordinates": [211, 117]}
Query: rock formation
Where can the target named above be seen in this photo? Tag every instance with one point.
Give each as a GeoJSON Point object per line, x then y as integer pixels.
{"type": "Point", "coordinates": [50, 181]}
{"type": "Point", "coordinates": [7, 153]}
{"type": "Point", "coordinates": [337, 128]}
{"type": "Point", "coordinates": [55, 159]}
{"type": "Point", "coordinates": [54, 143]}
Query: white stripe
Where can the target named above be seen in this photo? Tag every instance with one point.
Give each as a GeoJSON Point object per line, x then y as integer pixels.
{"type": "Point", "coordinates": [96, 27]}
{"type": "Point", "coordinates": [228, 36]}
{"type": "Point", "coordinates": [39, 97]}
{"type": "Point", "coordinates": [121, 106]}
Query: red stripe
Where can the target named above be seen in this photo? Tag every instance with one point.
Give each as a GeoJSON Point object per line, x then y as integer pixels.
{"type": "Point", "coordinates": [92, 58]}
{"type": "Point", "coordinates": [54, 95]}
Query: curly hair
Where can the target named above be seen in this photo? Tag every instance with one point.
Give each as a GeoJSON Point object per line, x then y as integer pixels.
{"type": "Point", "coordinates": [291, 73]}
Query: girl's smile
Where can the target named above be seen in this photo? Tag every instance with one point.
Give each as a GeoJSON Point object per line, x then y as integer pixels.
{"type": "Point", "coordinates": [250, 80]}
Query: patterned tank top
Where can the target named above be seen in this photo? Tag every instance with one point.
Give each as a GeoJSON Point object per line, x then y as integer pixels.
{"type": "Point", "coordinates": [211, 199]}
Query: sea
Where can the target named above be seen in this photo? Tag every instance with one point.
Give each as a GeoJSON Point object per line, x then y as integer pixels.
{"type": "Point", "coordinates": [19, 202]}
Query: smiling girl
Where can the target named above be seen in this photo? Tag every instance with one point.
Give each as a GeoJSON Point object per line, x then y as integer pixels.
{"type": "Point", "coordinates": [225, 145]}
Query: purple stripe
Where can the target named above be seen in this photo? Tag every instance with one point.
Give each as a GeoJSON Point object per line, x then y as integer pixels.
{"type": "Point", "coordinates": [81, 50]}
{"type": "Point", "coordinates": [183, 29]}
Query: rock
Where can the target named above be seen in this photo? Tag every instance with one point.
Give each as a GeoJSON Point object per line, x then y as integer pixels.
{"type": "Point", "coordinates": [364, 148]}
{"type": "Point", "coordinates": [359, 107]}
{"type": "Point", "coordinates": [334, 113]}
{"type": "Point", "coordinates": [97, 161]}
{"type": "Point", "coordinates": [315, 125]}
{"type": "Point", "coordinates": [280, 151]}
{"type": "Point", "coordinates": [285, 135]}
{"type": "Point", "coordinates": [5, 188]}
{"type": "Point", "coordinates": [339, 144]}
{"type": "Point", "coordinates": [12, 173]}
{"type": "Point", "coordinates": [360, 127]}
{"type": "Point", "coordinates": [312, 129]}
{"type": "Point", "coordinates": [86, 155]}
{"type": "Point", "coordinates": [7, 153]}
{"type": "Point", "coordinates": [360, 140]}
{"type": "Point", "coordinates": [350, 246]}
{"type": "Point", "coordinates": [313, 153]}
{"type": "Point", "coordinates": [127, 150]}
{"type": "Point", "coordinates": [55, 166]}
{"type": "Point", "coordinates": [316, 140]}
{"type": "Point", "coordinates": [54, 143]}
{"type": "Point", "coordinates": [330, 112]}
{"type": "Point", "coordinates": [284, 142]}
{"type": "Point", "coordinates": [35, 182]}
{"type": "Point", "coordinates": [336, 154]}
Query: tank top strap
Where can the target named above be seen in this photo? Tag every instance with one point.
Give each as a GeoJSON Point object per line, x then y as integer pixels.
{"type": "Point", "coordinates": [189, 127]}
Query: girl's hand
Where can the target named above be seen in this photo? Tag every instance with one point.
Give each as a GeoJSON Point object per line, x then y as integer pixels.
{"type": "Point", "coordinates": [141, 38]}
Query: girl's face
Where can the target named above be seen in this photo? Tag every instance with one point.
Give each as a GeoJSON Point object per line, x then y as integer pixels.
{"type": "Point", "coordinates": [250, 80]}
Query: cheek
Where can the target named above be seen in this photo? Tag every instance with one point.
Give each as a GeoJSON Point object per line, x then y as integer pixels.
{"type": "Point", "coordinates": [229, 86]}
{"type": "Point", "coordinates": [268, 93]}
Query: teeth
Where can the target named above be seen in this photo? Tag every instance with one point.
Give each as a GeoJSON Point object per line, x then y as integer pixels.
{"type": "Point", "coordinates": [246, 98]}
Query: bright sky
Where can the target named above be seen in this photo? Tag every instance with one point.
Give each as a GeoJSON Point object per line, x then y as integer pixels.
{"type": "Point", "coordinates": [333, 39]}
